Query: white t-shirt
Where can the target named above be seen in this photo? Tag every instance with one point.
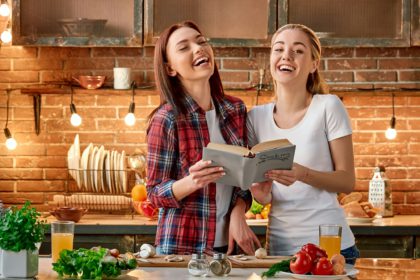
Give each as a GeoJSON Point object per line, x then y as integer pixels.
{"type": "Point", "coordinates": [297, 210]}
{"type": "Point", "coordinates": [223, 192]}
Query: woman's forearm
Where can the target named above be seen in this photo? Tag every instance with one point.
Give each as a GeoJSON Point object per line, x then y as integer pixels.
{"type": "Point", "coordinates": [336, 181]}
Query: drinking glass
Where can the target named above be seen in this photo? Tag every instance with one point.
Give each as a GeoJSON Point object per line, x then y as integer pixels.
{"type": "Point", "coordinates": [62, 235]}
{"type": "Point", "coordinates": [330, 239]}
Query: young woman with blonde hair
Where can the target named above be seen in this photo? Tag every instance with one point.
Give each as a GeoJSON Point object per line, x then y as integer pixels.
{"type": "Point", "coordinates": [317, 123]}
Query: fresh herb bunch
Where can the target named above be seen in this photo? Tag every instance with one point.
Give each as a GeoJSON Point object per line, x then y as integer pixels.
{"type": "Point", "coordinates": [20, 229]}
{"type": "Point", "coordinates": [277, 267]}
{"type": "Point", "coordinates": [90, 264]}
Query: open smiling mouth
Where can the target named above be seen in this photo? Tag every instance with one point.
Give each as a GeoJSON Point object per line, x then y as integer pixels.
{"type": "Point", "coordinates": [200, 61]}
{"type": "Point", "coordinates": [286, 68]}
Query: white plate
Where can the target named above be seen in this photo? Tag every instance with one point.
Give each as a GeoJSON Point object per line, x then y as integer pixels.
{"type": "Point", "coordinates": [253, 222]}
{"type": "Point", "coordinates": [350, 271]}
{"type": "Point", "coordinates": [360, 220]}
{"type": "Point", "coordinates": [111, 170]}
{"type": "Point", "coordinates": [84, 165]}
{"type": "Point", "coordinates": [76, 163]}
{"type": "Point", "coordinates": [107, 160]}
{"type": "Point", "coordinates": [70, 160]}
{"type": "Point", "coordinates": [92, 167]}
{"type": "Point", "coordinates": [99, 166]}
{"type": "Point", "coordinates": [117, 172]}
{"type": "Point", "coordinates": [123, 176]}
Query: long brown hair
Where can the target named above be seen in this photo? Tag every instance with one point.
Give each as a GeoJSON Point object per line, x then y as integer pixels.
{"type": "Point", "coordinates": [315, 83]}
{"type": "Point", "coordinates": [170, 88]}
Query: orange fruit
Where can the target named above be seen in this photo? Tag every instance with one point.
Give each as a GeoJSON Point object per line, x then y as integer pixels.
{"type": "Point", "coordinates": [139, 192]}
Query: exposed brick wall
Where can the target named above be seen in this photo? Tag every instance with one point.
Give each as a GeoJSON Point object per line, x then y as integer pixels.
{"type": "Point", "coordinates": [36, 170]}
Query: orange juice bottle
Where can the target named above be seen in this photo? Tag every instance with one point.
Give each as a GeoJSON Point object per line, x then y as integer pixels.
{"type": "Point", "coordinates": [331, 244]}
{"type": "Point", "coordinates": [60, 241]}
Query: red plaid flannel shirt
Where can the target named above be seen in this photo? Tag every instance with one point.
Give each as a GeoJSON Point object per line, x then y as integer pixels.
{"type": "Point", "coordinates": [174, 144]}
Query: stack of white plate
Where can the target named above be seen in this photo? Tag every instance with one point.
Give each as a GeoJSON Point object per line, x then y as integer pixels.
{"type": "Point", "coordinates": [97, 169]}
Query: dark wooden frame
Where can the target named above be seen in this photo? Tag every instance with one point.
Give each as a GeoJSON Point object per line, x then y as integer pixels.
{"type": "Point", "coordinates": [403, 41]}
{"type": "Point", "coordinates": [149, 39]}
{"type": "Point", "coordinates": [135, 41]}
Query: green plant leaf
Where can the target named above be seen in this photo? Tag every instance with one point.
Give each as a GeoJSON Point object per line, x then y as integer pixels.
{"type": "Point", "coordinates": [21, 229]}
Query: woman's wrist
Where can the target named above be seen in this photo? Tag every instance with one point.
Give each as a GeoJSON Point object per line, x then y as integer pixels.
{"type": "Point", "coordinates": [304, 177]}
{"type": "Point", "coordinates": [263, 200]}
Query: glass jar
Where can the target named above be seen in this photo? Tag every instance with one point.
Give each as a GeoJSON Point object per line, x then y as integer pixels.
{"type": "Point", "coordinates": [220, 265]}
{"type": "Point", "coordinates": [198, 265]}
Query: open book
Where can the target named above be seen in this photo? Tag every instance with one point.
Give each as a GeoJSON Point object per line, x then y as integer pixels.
{"type": "Point", "coordinates": [245, 166]}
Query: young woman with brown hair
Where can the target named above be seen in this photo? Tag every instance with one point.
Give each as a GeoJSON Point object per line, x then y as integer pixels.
{"type": "Point", "coordinates": [195, 214]}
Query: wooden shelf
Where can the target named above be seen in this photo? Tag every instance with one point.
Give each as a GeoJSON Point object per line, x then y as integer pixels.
{"type": "Point", "coordinates": [39, 90]}
{"type": "Point", "coordinates": [151, 90]}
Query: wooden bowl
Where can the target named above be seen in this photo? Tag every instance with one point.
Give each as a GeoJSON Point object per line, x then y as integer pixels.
{"type": "Point", "coordinates": [90, 82]}
{"type": "Point", "coordinates": [68, 213]}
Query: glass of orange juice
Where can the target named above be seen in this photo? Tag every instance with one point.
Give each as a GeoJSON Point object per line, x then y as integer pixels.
{"type": "Point", "coordinates": [62, 234]}
{"type": "Point", "coordinates": [330, 239]}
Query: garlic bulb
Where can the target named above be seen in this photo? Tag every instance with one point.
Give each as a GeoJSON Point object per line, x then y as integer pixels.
{"type": "Point", "coordinates": [147, 251]}
{"type": "Point", "coordinates": [261, 253]}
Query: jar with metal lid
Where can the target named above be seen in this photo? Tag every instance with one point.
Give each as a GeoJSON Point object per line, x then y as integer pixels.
{"type": "Point", "coordinates": [220, 265]}
{"type": "Point", "coordinates": [198, 265]}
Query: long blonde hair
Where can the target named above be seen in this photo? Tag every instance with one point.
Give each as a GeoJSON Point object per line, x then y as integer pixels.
{"type": "Point", "coordinates": [315, 83]}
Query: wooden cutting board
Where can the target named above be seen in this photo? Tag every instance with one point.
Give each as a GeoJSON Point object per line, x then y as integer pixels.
{"type": "Point", "coordinates": [252, 262]}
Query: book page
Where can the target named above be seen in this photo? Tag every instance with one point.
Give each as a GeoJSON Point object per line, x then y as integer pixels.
{"type": "Point", "coordinates": [229, 148]}
{"type": "Point", "coordinates": [264, 146]}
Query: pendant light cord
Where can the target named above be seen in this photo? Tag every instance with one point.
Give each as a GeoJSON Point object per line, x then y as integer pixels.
{"type": "Point", "coordinates": [71, 96]}
{"type": "Point", "coordinates": [393, 107]}
{"type": "Point", "coordinates": [133, 87]}
{"type": "Point", "coordinates": [7, 107]}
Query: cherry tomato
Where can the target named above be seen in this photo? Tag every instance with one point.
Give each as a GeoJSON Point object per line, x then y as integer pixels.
{"type": "Point", "coordinates": [323, 267]}
{"type": "Point", "coordinates": [314, 251]}
{"type": "Point", "coordinates": [114, 252]}
{"type": "Point", "coordinates": [301, 263]}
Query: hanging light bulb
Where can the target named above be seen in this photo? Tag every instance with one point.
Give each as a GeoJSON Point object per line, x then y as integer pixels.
{"type": "Point", "coordinates": [391, 133]}
{"type": "Point", "coordinates": [130, 118]}
{"type": "Point", "coordinates": [4, 9]}
{"type": "Point", "coordinates": [75, 119]}
{"type": "Point", "coordinates": [11, 143]}
{"type": "Point", "coordinates": [6, 36]}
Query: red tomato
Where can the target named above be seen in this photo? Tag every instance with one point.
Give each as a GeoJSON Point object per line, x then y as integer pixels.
{"type": "Point", "coordinates": [323, 267]}
{"type": "Point", "coordinates": [314, 251]}
{"type": "Point", "coordinates": [301, 263]}
{"type": "Point", "coordinates": [147, 209]}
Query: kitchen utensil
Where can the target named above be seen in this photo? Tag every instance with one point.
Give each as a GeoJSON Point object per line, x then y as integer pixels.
{"type": "Point", "coordinates": [90, 82]}
{"type": "Point", "coordinates": [380, 192]}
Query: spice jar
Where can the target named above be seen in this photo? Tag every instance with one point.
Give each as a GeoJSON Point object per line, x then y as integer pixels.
{"type": "Point", "coordinates": [198, 265]}
{"type": "Point", "coordinates": [220, 265]}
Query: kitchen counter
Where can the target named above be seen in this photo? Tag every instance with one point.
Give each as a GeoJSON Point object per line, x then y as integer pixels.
{"type": "Point", "coordinates": [135, 224]}
{"type": "Point", "coordinates": [372, 269]}
{"type": "Point", "coordinates": [395, 237]}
